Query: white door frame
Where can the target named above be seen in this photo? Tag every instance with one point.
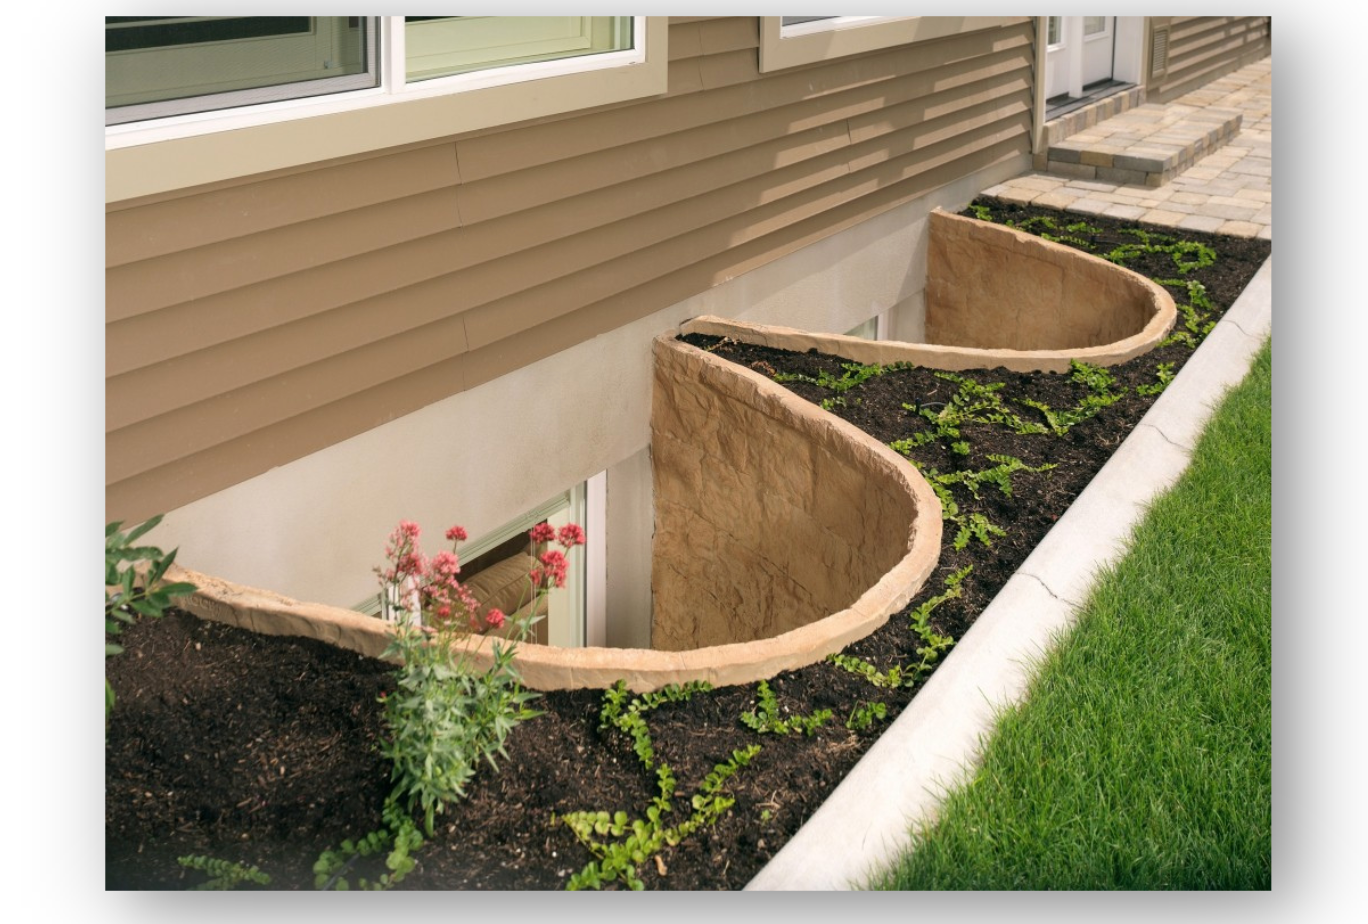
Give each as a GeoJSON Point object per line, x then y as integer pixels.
{"type": "Point", "coordinates": [1064, 60]}
{"type": "Point", "coordinates": [1128, 63]}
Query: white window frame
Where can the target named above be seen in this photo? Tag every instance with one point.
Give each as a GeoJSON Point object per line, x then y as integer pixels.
{"type": "Point", "coordinates": [144, 158]}
{"type": "Point", "coordinates": [822, 40]}
{"type": "Point", "coordinates": [143, 75]}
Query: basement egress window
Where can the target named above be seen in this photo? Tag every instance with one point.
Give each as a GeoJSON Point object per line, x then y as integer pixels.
{"type": "Point", "coordinates": [495, 568]}
{"type": "Point", "coordinates": [496, 565]}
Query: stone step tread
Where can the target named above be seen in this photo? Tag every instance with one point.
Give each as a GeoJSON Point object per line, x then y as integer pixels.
{"type": "Point", "coordinates": [1153, 140]}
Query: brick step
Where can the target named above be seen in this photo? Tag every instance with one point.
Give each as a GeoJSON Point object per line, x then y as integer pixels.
{"type": "Point", "coordinates": [1144, 146]}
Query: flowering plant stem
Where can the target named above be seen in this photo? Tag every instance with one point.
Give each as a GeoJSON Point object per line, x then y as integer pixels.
{"type": "Point", "coordinates": [445, 716]}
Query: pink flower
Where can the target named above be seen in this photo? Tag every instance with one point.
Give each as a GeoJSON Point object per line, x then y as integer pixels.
{"type": "Point", "coordinates": [444, 565]}
{"type": "Point", "coordinates": [408, 564]}
{"type": "Point", "coordinates": [456, 534]}
{"type": "Point", "coordinates": [543, 532]}
{"type": "Point", "coordinates": [495, 618]}
{"type": "Point", "coordinates": [571, 535]}
{"type": "Point", "coordinates": [555, 564]}
{"type": "Point", "coordinates": [408, 528]}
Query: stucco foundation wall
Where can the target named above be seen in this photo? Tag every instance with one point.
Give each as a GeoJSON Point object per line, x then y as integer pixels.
{"type": "Point", "coordinates": [313, 529]}
{"type": "Point", "coordinates": [765, 521]}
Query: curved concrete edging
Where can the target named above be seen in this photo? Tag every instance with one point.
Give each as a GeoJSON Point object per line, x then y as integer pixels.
{"type": "Point", "coordinates": [547, 668]}
{"type": "Point", "coordinates": [933, 745]}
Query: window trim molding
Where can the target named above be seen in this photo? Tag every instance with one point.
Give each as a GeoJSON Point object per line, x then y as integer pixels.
{"type": "Point", "coordinates": [810, 43]}
{"type": "Point", "coordinates": [192, 150]}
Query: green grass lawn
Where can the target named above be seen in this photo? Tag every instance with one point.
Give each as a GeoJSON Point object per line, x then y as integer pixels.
{"type": "Point", "coordinates": [1142, 758]}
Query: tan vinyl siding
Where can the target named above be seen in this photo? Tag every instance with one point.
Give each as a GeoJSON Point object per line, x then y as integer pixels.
{"type": "Point", "coordinates": [1202, 48]}
{"type": "Point", "coordinates": [254, 322]}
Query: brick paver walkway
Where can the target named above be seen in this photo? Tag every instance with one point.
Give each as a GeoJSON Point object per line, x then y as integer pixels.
{"type": "Point", "coordinates": [1228, 192]}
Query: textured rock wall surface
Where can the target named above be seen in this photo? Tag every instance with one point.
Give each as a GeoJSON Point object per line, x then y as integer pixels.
{"type": "Point", "coordinates": [766, 518]}
{"type": "Point", "coordinates": [991, 287]}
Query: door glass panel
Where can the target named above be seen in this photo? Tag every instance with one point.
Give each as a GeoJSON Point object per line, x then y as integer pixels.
{"type": "Point", "coordinates": [1094, 25]}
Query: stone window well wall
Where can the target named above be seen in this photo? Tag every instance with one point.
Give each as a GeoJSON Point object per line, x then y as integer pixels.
{"type": "Point", "coordinates": [771, 515]}
{"type": "Point", "coordinates": [783, 534]}
{"type": "Point", "coordinates": [995, 297]}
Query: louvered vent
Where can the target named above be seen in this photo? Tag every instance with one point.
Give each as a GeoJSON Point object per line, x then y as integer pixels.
{"type": "Point", "coordinates": [1159, 52]}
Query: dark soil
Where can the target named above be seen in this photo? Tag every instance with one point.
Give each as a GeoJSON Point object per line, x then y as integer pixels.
{"type": "Point", "coordinates": [263, 749]}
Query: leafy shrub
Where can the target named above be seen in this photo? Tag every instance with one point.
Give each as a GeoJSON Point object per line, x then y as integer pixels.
{"type": "Point", "coordinates": [133, 584]}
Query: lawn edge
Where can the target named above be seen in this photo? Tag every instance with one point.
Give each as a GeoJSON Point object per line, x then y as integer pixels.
{"type": "Point", "coordinates": [934, 745]}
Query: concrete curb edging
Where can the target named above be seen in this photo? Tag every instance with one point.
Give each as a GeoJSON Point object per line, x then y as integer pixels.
{"type": "Point", "coordinates": [934, 744]}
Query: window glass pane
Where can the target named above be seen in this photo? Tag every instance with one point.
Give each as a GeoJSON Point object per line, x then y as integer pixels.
{"type": "Point", "coordinates": [869, 330]}
{"type": "Point", "coordinates": [198, 63]}
{"type": "Point", "coordinates": [1052, 31]}
{"type": "Point", "coordinates": [495, 568]}
{"type": "Point", "coordinates": [439, 46]}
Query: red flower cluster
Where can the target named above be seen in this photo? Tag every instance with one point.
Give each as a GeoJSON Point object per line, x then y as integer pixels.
{"type": "Point", "coordinates": [553, 562]}
{"type": "Point", "coordinates": [431, 584]}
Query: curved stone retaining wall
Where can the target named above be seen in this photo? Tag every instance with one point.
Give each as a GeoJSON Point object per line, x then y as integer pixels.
{"type": "Point", "coordinates": [994, 288]}
{"type": "Point", "coordinates": [770, 513]}
{"type": "Point", "coordinates": [996, 296]}
{"type": "Point", "coordinates": [785, 535]}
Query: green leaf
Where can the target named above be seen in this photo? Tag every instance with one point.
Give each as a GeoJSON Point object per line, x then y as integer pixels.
{"type": "Point", "coordinates": [145, 608]}
{"type": "Point", "coordinates": [144, 528]}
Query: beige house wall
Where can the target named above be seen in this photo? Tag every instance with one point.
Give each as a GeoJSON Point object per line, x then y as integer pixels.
{"type": "Point", "coordinates": [254, 323]}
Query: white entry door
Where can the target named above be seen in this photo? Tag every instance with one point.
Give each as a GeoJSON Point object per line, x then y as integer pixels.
{"type": "Point", "coordinates": [1079, 50]}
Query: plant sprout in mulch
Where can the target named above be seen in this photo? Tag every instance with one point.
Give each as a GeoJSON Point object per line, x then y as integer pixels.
{"type": "Point", "coordinates": [265, 752]}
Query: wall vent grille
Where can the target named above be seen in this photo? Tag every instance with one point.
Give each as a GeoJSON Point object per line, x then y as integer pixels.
{"type": "Point", "coordinates": [1159, 52]}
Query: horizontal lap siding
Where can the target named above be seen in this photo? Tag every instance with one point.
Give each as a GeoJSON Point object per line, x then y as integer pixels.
{"type": "Point", "coordinates": [1202, 48]}
{"type": "Point", "coordinates": [252, 323]}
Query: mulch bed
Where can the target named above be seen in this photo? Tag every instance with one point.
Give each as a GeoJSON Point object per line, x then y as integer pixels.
{"type": "Point", "coordinates": [263, 749]}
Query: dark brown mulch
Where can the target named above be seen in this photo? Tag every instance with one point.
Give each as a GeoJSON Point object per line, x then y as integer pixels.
{"type": "Point", "coordinates": [263, 749]}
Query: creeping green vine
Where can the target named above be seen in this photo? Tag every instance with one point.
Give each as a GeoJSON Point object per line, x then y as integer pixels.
{"type": "Point", "coordinates": [765, 718]}
{"type": "Point", "coordinates": [223, 874]}
{"type": "Point", "coordinates": [617, 861]}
